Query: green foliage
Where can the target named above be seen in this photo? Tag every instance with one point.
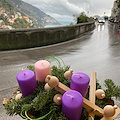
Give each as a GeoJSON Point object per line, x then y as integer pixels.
{"type": "Point", "coordinates": [57, 60]}
{"type": "Point", "coordinates": [10, 11]}
{"type": "Point", "coordinates": [60, 74]}
{"type": "Point", "coordinates": [112, 90]}
{"type": "Point", "coordinates": [98, 86]}
{"type": "Point", "coordinates": [82, 18]}
{"type": "Point", "coordinates": [5, 4]}
{"type": "Point", "coordinates": [100, 103]}
{"type": "Point", "coordinates": [20, 23]}
{"type": "Point", "coordinates": [4, 18]}
{"type": "Point", "coordinates": [119, 4]}
{"type": "Point", "coordinates": [40, 102]}
{"type": "Point", "coordinates": [7, 7]}
{"type": "Point", "coordinates": [31, 67]}
{"type": "Point", "coordinates": [15, 107]}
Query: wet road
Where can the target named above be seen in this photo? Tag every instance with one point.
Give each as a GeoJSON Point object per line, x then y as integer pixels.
{"type": "Point", "coordinates": [98, 51]}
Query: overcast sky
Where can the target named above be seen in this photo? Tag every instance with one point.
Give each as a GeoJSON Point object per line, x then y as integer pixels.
{"type": "Point", "coordinates": [63, 10]}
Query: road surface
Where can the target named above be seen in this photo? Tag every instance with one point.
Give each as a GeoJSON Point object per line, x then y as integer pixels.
{"type": "Point", "coordinates": [97, 51]}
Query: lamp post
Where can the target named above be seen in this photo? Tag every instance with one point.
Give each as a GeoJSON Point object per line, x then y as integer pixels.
{"type": "Point", "coordinates": [104, 13]}
{"type": "Point", "coordinates": [88, 13]}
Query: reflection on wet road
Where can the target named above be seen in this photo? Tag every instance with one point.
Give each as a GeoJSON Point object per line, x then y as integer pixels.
{"type": "Point", "coordinates": [97, 51]}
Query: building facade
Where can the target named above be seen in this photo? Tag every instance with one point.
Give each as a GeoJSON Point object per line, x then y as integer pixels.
{"type": "Point", "coordinates": [115, 13]}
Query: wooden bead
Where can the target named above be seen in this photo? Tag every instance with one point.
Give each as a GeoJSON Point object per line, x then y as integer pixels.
{"type": "Point", "coordinates": [68, 74]}
{"type": "Point", "coordinates": [109, 110]}
{"type": "Point", "coordinates": [47, 78]}
{"type": "Point", "coordinates": [53, 81]}
{"type": "Point", "coordinates": [57, 99]}
{"type": "Point", "coordinates": [100, 94]}
{"type": "Point", "coordinates": [47, 87]}
{"type": "Point", "coordinates": [18, 92]}
{"type": "Point", "coordinates": [18, 96]}
{"type": "Point", "coordinates": [5, 100]}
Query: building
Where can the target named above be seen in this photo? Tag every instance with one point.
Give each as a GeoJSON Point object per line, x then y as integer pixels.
{"type": "Point", "coordinates": [115, 13]}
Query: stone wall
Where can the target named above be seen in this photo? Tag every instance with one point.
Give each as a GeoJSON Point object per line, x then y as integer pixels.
{"type": "Point", "coordinates": [27, 38]}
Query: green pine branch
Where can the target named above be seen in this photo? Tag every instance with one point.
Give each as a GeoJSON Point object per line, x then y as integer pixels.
{"type": "Point", "coordinates": [40, 102]}
{"type": "Point", "coordinates": [112, 90]}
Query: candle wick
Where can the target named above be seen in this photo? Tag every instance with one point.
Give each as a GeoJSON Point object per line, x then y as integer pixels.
{"type": "Point", "coordinates": [43, 64]}
{"type": "Point", "coordinates": [23, 71]}
{"type": "Point", "coordinates": [78, 75]}
{"type": "Point", "coordinates": [69, 95]}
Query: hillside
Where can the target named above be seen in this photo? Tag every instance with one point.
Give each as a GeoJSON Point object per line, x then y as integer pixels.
{"type": "Point", "coordinates": [18, 14]}
{"type": "Point", "coordinates": [38, 17]}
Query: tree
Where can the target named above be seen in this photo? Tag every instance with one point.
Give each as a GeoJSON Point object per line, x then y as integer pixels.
{"type": "Point", "coordinates": [119, 4]}
{"type": "Point", "coordinates": [20, 23]}
{"type": "Point", "coordinates": [4, 18]}
{"type": "Point", "coordinates": [82, 18]}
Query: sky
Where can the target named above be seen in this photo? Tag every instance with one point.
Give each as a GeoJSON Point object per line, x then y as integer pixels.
{"type": "Point", "coordinates": [63, 10]}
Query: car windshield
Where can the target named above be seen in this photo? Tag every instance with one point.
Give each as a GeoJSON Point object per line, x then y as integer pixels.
{"type": "Point", "coordinates": [101, 18]}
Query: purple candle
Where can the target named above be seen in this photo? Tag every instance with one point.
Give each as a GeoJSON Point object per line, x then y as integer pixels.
{"type": "Point", "coordinates": [27, 82]}
{"type": "Point", "coordinates": [80, 82]}
{"type": "Point", "coordinates": [72, 102]}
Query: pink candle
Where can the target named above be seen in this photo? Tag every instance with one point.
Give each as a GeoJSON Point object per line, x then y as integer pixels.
{"type": "Point", "coordinates": [27, 82]}
{"type": "Point", "coordinates": [42, 69]}
{"type": "Point", "coordinates": [72, 102]}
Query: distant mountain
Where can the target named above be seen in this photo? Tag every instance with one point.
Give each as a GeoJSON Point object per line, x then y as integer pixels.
{"type": "Point", "coordinates": [38, 17]}
{"type": "Point", "coordinates": [11, 18]}
{"type": "Point", "coordinates": [13, 12]}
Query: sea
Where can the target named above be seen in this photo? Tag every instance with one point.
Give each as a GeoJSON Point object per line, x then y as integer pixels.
{"type": "Point", "coordinates": [62, 23]}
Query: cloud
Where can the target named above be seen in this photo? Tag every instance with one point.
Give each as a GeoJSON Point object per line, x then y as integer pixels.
{"type": "Point", "coordinates": [66, 8]}
{"type": "Point", "coordinates": [63, 7]}
{"type": "Point", "coordinates": [94, 7]}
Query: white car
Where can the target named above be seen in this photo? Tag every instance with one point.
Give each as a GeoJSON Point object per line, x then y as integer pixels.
{"type": "Point", "coordinates": [101, 21]}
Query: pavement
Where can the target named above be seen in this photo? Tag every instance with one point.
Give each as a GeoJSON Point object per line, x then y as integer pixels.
{"type": "Point", "coordinates": [98, 51]}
